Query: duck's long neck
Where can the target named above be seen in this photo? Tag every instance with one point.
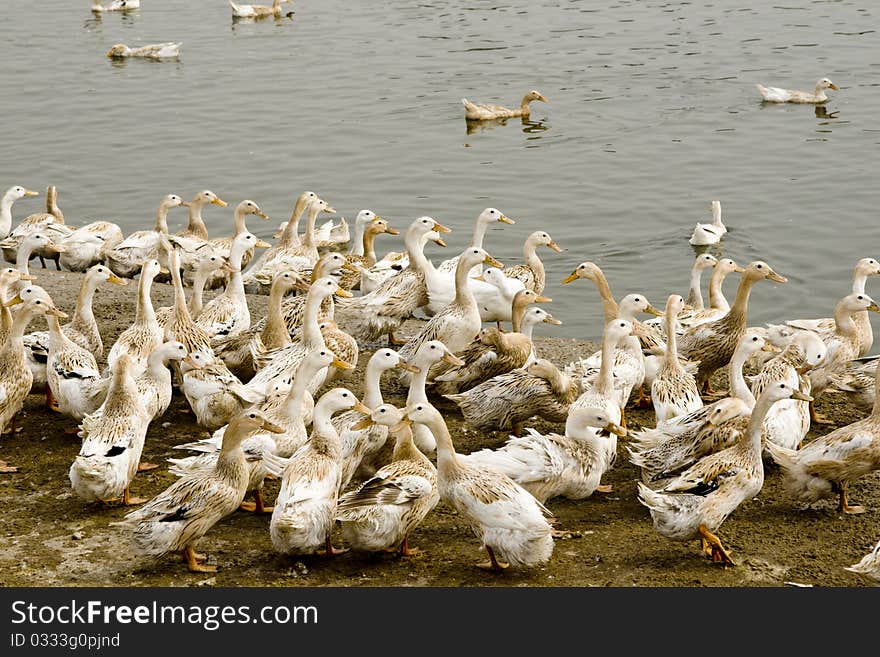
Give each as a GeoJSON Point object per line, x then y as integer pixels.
{"type": "Point", "coordinates": [196, 301]}
{"type": "Point", "coordinates": [609, 305]}
{"type": "Point", "coordinates": [325, 438]}
{"type": "Point", "coordinates": [57, 339]}
{"type": "Point", "coordinates": [671, 354]}
{"type": "Point", "coordinates": [162, 219]}
{"type": "Point", "coordinates": [480, 228]}
{"type": "Point", "coordinates": [23, 256]}
{"type": "Point", "coordinates": [447, 461]}
{"type": "Point", "coordinates": [405, 448]}
{"type": "Point", "coordinates": [843, 319]}
{"type": "Point", "coordinates": [122, 393]}
{"type": "Point", "coordinates": [605, 380]}
{"type": "Point", "coordinates": [756, 425]}
{"type": "Point", "coordinates": [716, 215]}
{"type": "Point", "coordinates": [145, 313]}
{"type": "Point", "coordinates": [530, 255]}
{"type": "Point", "coordinates": [373, 385]}
{"type": "Point", "coordinates": [819, 93]}
{"type": "Point", "coordinates": [293, 403]}
{"type": "Point", "coordinates": [275, 333]}
{"type": "Point", "coordinates": [358, 246]}
{"type": "Point", "coordinates": [862, 319]}
{"type": "Point", "coordinates": [517, 312]}
{"type": "Point", "coordinates": [368, 247]}
{"type": "Point", "coordinates": [415, 249]}
{"type": "Point", "coordinates": [695, 295]}
{"type": "Point", "coordinates": [16, 332]}
{"type": "Point", "coordinates": [5, 314]}
{"type": "Point", "coordinates": [717, 300]}
{"type": "Point", "coordinates": [6, 215]}
{"type": "Point", "coordinates": [524, 105]}
{"type": "Point", "coordinates": [180, 307]}
{"type": "Point", "coordinates": [311, 218]}
{"type": "Point", "coordinates": [312, 335]}
{"type": "Point", "coordinates": [738, 386]}
{"type": "Point", "coordinates": [238, 221]}
{"type": "Point", "coordinates": [739, 310]}
{"type": "Point", "coordinates": [52, 205]}
{"type": "Point", "coordinates": [417, 382]}
{"type": "Point", "coordinates": [235, 286]}
{"type": "Point", "coordinates": [196, 224]}
{"type": "Point", "coordinates": [83, 314]}
{"type": "Point", "coordinates": [290, 234]}
{"type": "Point", "coordinates": [463, 294]}
{"type": "Point", "coordinates": [157, 369]}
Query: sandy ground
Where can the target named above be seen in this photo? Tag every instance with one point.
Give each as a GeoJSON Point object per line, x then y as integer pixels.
{"type": "Point", "coordinates": [50, 538]}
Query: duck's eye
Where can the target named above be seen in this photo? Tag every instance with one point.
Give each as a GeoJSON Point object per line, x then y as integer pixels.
{"type": "Point", "coordinates": [760, 266]}
{"type": "Point", "coordinates": [861, 297]}
{"type": "Point", "coordinates": [252, 416]}
{"type": "Point", "coordinates": [345, 394]}
{"type": "Point", "coordinates": [433, 346]}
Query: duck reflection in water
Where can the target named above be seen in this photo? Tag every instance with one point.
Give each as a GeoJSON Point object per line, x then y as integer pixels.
{"type": "Point", "coordinates": [480, 125]}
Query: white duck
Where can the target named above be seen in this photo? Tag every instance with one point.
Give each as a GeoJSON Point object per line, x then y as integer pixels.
{"type": "Point", "coordinates": [485, 219]}
{"type": "Point", "coordinates": [381, 513]}
{"type": "Point", "coordinates": [228, 313]}
{"type": "Point", "coordinates": [240, 10]}
{"type": "Point", "coordinates": [674, 390]}
{"type": "Point", "coordinates": [487, 111]}
{"type": "Point", "coordinates": [11, 195]}
{"type": "Point", "coordinates": [550, 465]}
{"type": "Point", "coordinates": [145, 334]}
{"type": "Point", "coordinates": [705, 234]}
{"type": "Point", "coordinates": [779, 95]}
{"type": "Point", "coordinates": [459, 321]}
{"type": "Point", "coordinates": [305, 509]}
{"type": "Point", "coordinates": [86, 246]}
{"type": "Point", "coordinates": [115, 5]}
{"type": "Point", "coordinates": [111, 450]}
{"type": "Point", "coordinates": [506, 518]}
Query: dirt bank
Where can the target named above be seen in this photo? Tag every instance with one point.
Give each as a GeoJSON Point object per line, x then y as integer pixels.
{"type": "Point", "coordinates": [50, 538]}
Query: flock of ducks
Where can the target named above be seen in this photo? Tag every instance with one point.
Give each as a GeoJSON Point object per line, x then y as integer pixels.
{"type": "Point", "coordinates": [265, 389]}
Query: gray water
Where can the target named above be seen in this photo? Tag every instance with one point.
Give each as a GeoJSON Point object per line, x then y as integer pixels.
{"type": "Point", "coordinates": [653, 112]}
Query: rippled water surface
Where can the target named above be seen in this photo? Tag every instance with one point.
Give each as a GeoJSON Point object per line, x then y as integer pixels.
{"type": "Point", "coordinates": [653, 112]}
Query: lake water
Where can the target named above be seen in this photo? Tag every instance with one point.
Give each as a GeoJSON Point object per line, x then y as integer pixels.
{"type": "Point", "coordinates": [652, 113]}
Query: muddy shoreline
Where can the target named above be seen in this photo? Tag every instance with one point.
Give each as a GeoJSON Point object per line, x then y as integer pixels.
{"type": "Point", "coordinates": [50, 538]}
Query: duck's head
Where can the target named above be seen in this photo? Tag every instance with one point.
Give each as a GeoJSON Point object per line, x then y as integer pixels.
{"type": "Point", "coordinates": [386, 359]}
{"type": "Point", "coordinates": [386, 415]}
{"type": "Point", "coordinates": [37, 306]}
{"type": "Point", "coordinates": [17, 191]}
{"type": "Point", "coordinates": [633, 304]}
{"type": "Point", "coordinates": [172, 350]}
{"type": "Point", "coordinates": [206, 197]}
{"type": "Point", "coordinates": [868, 267]}
{"type": "Point", "coordinates": [853, 303]}
{"type": "Point", "coordinates": [534, 94]}
{"type": "Point", "coordinates": [538, 315]}
{"type": "Point", "coordinates": [728, 266]}
{"type": "Point", "coordinates": [674, 304]}
{"type": "Point", "coordinates": [474, 255]}
{"type": "Point", "coordinates": [760, 269]}
{"type": "Point", "coordinates": [327, 286]}
{"type": "Point", "coordinates": [287, 280]}
{"type": "Point", "coordinates": [420, 412]}
{"type": "Point", "coordinates": [812, 347]}
{"type": "Point", "coordinates": [825, 83]}
{"type": "Point", "coordinates": [210, 260]}
{"type": "Point", "coordinates": [39, 240]}
{"type": "Point", "coordinates": [542, 238]}
{"type": "Point", "coordinates": [365, 217]}
{"type": "Point", "coordinates": [102, 274]}
{"type": "Point", "coordinates": [543, 368]}
{"type": "Point", "coordinates": [588, 270]}
{"type": "Point", "coordinates": [173, 201]}
{"type": "Point", "coordinates": [782, 390]}
{"type": "Point", "coordinates": [342, 399]}
{"type": "Point", "coordinates": [329, 264]}
{"type": "Point", "coordinates": [197, 360]}
{"type": "Point", "coordinates": [10, 275]}
{"type": "Point", "coordinates": [491, 215]}
{"type": "Point", "coordinates": [379, 226]}
{"type": "Point", "coordinates": [246, 423]}
{"type": "Point", "coordinates": [618, 329]}
{"type": "Point", "coordinates": [248, 206]}
{"type": "Point", "coordinates": [119, 50]}
{"type": "Point", "coordinates": [318, 205]}
{"type": "Point", "coordinates": [728, 409]}
{"type": "Point", "coordinates": [152, 268]}
{"type": "Point", "coordinates": [579, 419]}
{"type": "Point", "coordinates": [754, 341]}
{"type": "Point", "coordinates": [423, 225]}
{"type": "Point", "coordinates": [434, 351]}
{"type": "Point", "coordinates": [30, 292]}
{"type": "Point", "coordinates": [705, 261]}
